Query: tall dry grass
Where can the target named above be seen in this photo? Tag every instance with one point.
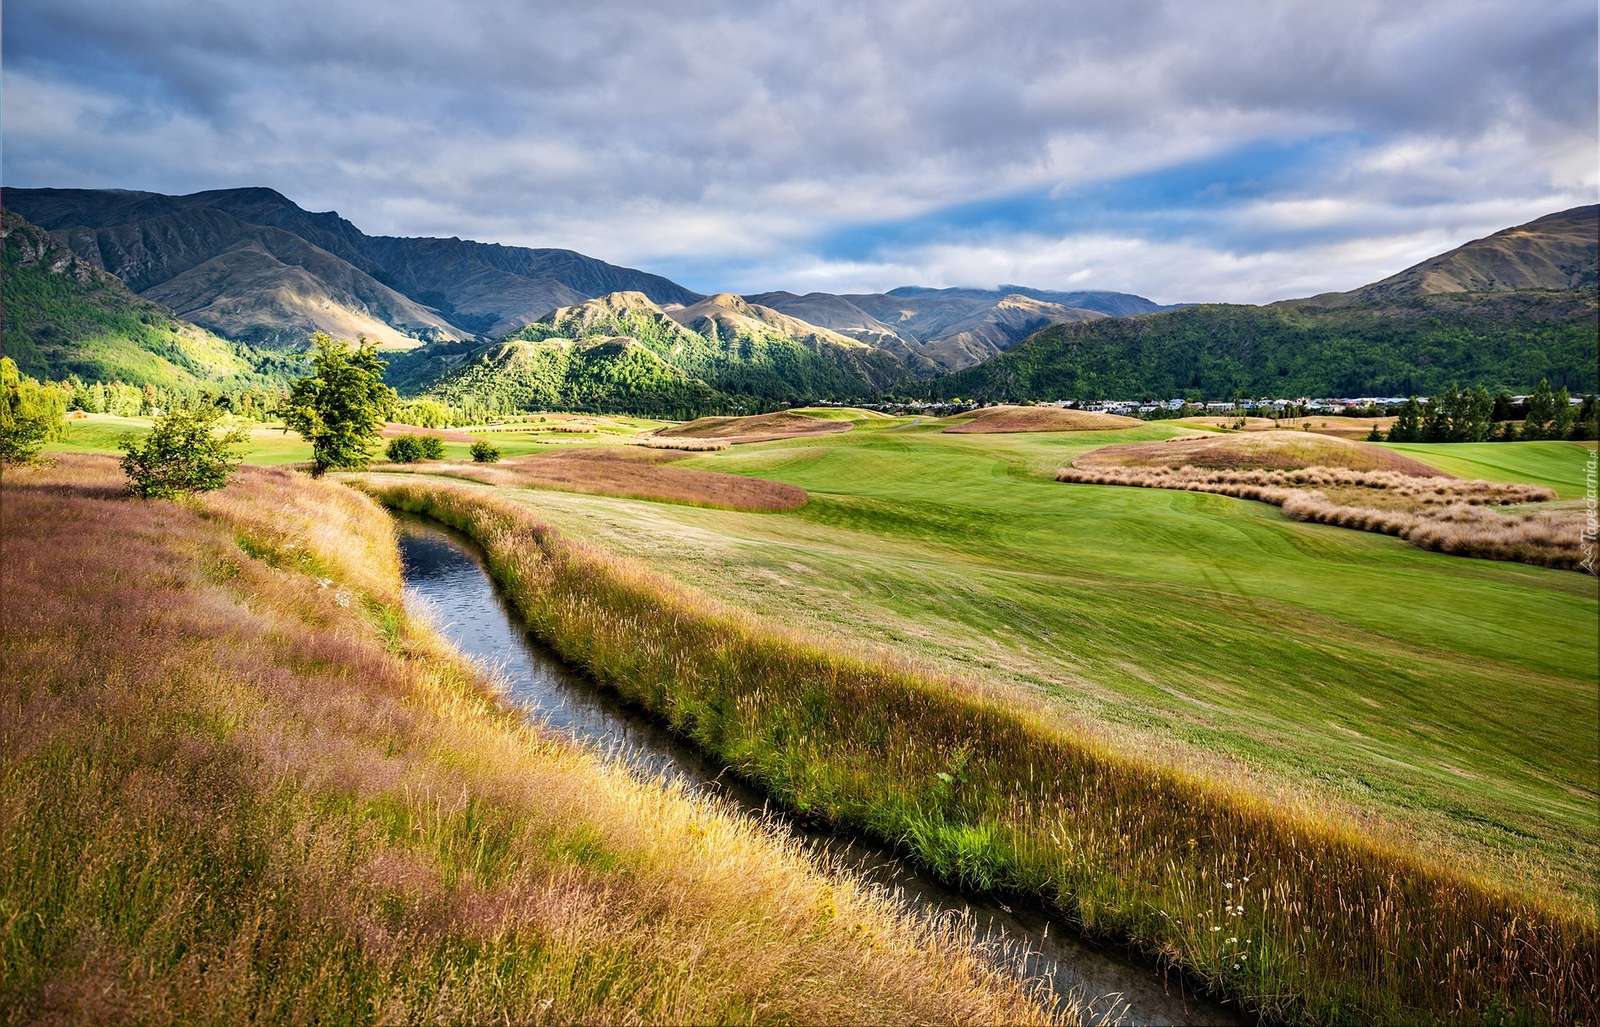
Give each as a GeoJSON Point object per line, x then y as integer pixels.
{"type": "Point", "coordinates": [238, 784]}
{"type": "Point", "coordinates": [1293, 910]}
{"type": "Point", "coordinates": [1446, 515]}
{"type": "Point", "coordinates": [684, 445]}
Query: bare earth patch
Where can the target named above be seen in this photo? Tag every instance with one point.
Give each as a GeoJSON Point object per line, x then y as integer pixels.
{"type": "Point", "coordinates": [785, 424]}
{"type": "Point", "coordinates": [632, 472]}
{"type": "Point", "coordinates": [1000, 420]}
{"type": "Point", "coordinates": [1265, 450]}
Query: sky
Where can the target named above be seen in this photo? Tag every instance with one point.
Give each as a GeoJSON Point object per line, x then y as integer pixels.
{"type": "Point", "coordinates": [1226, 151]}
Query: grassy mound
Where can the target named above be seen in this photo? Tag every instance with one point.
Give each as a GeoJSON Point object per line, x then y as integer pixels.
{"type": "Point", "coordinates": [1322, 424]}
{"type": "Point", "coordinates": [785, 424]}
{"type": "Point", "coordinates": [240, 785]}
{"type": "Point", "coordinates": [1003, 419]}
{"type": "Point", "coordinates": [1265, 450]}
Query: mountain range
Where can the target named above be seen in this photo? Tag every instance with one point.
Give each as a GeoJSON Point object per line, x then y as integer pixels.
{"type": "Point", "coordinates": [245, 272]}
{"type": "Point", "coordinates": [1503, 311]}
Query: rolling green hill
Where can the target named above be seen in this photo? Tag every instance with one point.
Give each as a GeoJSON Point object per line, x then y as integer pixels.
{"type": "Point", "coordinates": [1503, 312]}
{"type": "Point", "coordinates": [1508, 340]}
{"type": "Point", "coordinates": [65, 317]}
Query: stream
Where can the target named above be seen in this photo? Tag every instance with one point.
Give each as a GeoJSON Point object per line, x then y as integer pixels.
{"type": "Point", "coordinates": [446, 581]}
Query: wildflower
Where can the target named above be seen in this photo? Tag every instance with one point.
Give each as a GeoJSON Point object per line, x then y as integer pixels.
{"type": "Point", "coordinates": [324, 582]}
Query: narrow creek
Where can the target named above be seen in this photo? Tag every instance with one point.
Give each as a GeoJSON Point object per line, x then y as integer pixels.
{"type": "Point", "coordinates": [446, 581]}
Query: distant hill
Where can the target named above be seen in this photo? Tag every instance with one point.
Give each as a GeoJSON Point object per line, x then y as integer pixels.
{"type": "Point", "coordinates": [951, 328]}
{"type": "Point", "coordinates": [739, 356]}
{"type": "Point", "coordinates": [1556, 252]}
{"type": "Point", "coordinates": [63, 316]}
{"type": "Point", "coordinates": [1503, 311]}
{"type": "Point", "coordinates": [594, 373]}
{"type": "Point", "coordinates": [251, 264]}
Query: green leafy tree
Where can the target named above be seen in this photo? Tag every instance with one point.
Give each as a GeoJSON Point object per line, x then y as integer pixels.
{"type": "Point", "coordinates": [1508, 432]}
{"type": "Point", "coordinates": [31, 414]}
{"type": "Point", "coordinates": [183, 454]}
{"type": "Point", "coordinates": [1588, 424]}
{"type": "Point", "coordinates": [1408, 424]}
{"type": "Point", "coordinates": [1562, 420]}
{"type": "Point", "coordinates": [1541, 412]}
{"type": "Point", "coordinates": [341, 406]}
{"type": "Point", "coordinates": [431, 447]}
{"type": "Point", "coordinates": [484, 452]}
{"type": "Point", "coordinates": [403, 450]}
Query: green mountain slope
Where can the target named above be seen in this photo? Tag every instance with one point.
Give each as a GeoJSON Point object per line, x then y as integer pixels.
{"type": "Point", "coordinates": [1504, 311]}
{"type": "Point", "coordinates": [720, 355]}
{"type": "Point", "coordinates": [597, 373]}
{"type": "Point", "coordinates": [63, 316]}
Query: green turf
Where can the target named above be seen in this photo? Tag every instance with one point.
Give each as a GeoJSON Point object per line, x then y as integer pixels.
{"type": "Point", "coordinates": [1457, 693]}
{"type": "Point", "coordinates": [1557, 465]}
{"type": "Point", "coordinates": [267, 445]}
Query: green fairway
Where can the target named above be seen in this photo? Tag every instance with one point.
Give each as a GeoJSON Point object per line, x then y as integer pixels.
{"type": "Point", "coordinates": [1557, 465]}
{"type": "Point", "coordinates": [1451, 693]}
{"type": "Point", "coordinates": [268, 445]}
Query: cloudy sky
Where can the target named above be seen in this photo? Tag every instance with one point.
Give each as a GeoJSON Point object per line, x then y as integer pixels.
{"type": "Point", "coordinates": [1186, 151]}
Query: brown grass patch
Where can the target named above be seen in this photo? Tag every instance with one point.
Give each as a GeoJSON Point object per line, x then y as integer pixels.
{"type": "Point", "coordinates": [1446, 515]}
{"type": "Point", "coordinates": [1321, 424]}
{"type": "Point", "coordinates": [683, 445]}
{"type": "Point", "coordinates": [631, 472]}
{"type": "Point", "coordinates": [394, 430]}
{"type": "Point", "coordinates": [1267, 450]}
{"type": "Point", "coordinates": [1005, 419]}
{"type": "Point", "coordinates": [785, 424]}
{"type": "Point", "coordinates": [240, 785]}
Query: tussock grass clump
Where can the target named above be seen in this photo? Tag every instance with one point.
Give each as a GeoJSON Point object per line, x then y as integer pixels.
{"type": "Point", "coordinates": [1256, 450]}
{"type": "Point", "coordinates": [685, 445]}
{"type": "Point", "coordinates": [237, 784]}
{"type": "Point", "coordinates": [1297, 912]}
{"type": "Point", "coordinates": [1446, 515]}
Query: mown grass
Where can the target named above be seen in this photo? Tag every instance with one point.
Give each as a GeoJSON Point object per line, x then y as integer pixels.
{"type": "Point", "coordinates": [237, 783]}
{"type": "Point", "coordinates": [1556, 465]}
{"type": "Point", "coordinates": [1300, 912]}
{"type": "Point", "coordinates": [1456, 697]}
{"type": "Point", "coordinates": [270, 445]}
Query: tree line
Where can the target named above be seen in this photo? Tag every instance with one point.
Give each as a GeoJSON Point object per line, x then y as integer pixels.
{"type": "Point", "coordinates": [1472, 415]}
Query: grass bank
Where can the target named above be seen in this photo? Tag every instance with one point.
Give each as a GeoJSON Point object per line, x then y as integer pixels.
{"type": "Point", "coordinates": [237, 783]}
{"type": "Point", "coordinates": [1302, 915]}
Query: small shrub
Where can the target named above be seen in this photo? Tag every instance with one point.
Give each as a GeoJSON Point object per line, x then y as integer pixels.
{"type": "Point", "coordinates": [431, 446]}
{"type": "Point", "coordinates": [484, 452]}
{"type": "Point", "coordinates": [182, 454]}
{"type": "Point", "coordinates": [404, 450]}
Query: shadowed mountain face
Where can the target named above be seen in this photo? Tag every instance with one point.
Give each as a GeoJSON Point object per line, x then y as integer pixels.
{"type": "Point", "coordinates": [1504, 311]}
{"type": "Point", "coordinates": [251, 264]}
{"type": "Point", "coordinates": [64, 315]}
{"type": "Point", "coordinates": [952, 328]}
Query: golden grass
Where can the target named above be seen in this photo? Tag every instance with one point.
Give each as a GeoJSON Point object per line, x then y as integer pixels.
{"type": "Point", "coordinates": [1288, 907]}
{"type": "Point", "coordinates": [785, 424]}
{"type": "Point", "coordinates": [1444, 515]}
{"type": "Point", "coordinates": [632, 472]}
{"type": "Point", "coordinates": [237, 783]}
{"type": "Point", "coordinates": [1007, 419]}
{"type": "Point", "coordinates": [1265, 450]}
{"type": "Point", "coordinates": [683, 445]}
{"type": "Point", "coordinates": [1321, 424]}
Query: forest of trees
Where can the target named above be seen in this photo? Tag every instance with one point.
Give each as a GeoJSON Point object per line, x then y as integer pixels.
{"type": "Point", "coordinates": [1473, 415]}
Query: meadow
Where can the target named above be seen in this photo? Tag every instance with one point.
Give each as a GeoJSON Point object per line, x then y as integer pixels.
{"type": "Point", "coordinates": [1369, 692]}
{"type": "Point", "coordinates": [239, 783]}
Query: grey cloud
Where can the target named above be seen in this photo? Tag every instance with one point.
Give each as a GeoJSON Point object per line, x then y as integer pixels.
{"type": "Point", "coordinates": [751, 129]}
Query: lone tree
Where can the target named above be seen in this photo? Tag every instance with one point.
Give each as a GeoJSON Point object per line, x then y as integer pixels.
{"type": "Point", "coordinates": [340, 407]}
{"type": "Point", "coordinates": [182, 454]}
